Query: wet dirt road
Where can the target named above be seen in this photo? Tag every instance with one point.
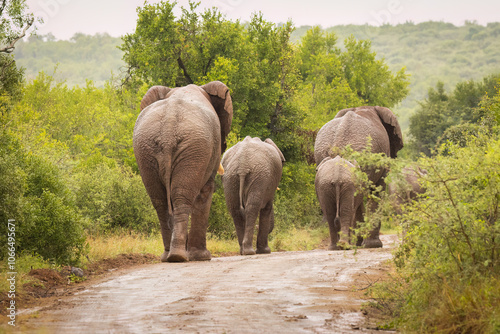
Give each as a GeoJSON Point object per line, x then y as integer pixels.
{"type": "Point", "coordinates": [287, 292]}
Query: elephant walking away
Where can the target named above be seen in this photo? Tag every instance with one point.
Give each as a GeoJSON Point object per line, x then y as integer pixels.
{"type": "Point", "coordinates": [336, 191]}
{"type": "Point", "coordinates": [178, 139]}
{"type": "Point", "coordinates": [252, 172]}
{"type": "Point", "coordinates": [357, 127]}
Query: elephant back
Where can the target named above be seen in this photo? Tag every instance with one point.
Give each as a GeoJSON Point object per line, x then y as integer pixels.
{"type": "Point", "coordinates": [386, 118]}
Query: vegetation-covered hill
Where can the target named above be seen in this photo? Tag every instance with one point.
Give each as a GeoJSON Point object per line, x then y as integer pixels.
{"type": "Point", "coordinates": [82, 58]}
{"type": "Point", "coordinates": [431, 51]}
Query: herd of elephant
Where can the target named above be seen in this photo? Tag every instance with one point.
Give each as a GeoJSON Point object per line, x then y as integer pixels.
{"type": "Point", "coordinates": [178, 140]}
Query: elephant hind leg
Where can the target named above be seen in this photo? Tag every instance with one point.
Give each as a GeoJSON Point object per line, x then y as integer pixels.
{"type": "Point", "coordinates": [251, 213]}
{"type": "Point", "coordinates": [266, 222]}
{"type": "Point", "coordinates": [197, 242]}
{"type": "Point", "coordinates": [158, 195]}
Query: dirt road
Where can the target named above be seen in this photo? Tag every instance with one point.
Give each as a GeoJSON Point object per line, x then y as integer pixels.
{"type": "Point", "coordinates": [290, 292]}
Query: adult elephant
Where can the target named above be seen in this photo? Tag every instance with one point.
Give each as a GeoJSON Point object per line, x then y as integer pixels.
{"type": "Point", "coordinates": [252, 172]}
{"type": "Point", "coordinates": [359, 128]}
{"type": "Point", "coordinates": [178, 139]}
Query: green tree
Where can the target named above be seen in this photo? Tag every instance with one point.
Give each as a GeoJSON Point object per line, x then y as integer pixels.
{"type": "Point", "coordinates": [14, 23]}
{"type": "Point", "coordinates": [370, 78]}
{"type": "Point", "coordinates": [324, 89]}
{"type": "Point", "coordinates": [255, 61]}
{"type": "Point", "coordinates": [450, 116]}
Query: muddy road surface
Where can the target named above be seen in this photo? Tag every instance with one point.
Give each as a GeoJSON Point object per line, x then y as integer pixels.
{"type": "Point", "coordinates": [315, 291]}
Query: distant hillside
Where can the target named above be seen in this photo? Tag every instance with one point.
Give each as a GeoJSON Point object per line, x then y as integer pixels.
{"type": "Point", "coordinates": [82, 57]}
{"type": "Point", "coordinates": [431, 51]}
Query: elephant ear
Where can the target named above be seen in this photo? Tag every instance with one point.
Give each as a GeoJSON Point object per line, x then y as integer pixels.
{"type": "Point", "coordinates": [391, 125]}
{"type": "Point", "coordinates": [154, 94]}
{"type": "Point", "coordinates": [221, 101]}
{"type": "Point", "coordinates": [270, 142]}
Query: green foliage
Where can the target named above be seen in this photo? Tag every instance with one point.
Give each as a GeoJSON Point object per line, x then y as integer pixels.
{"type": "Point", "coordinates": [14, 21]}
{"type": "Point", "coordinates": [370, 78]}
{"type": "Point", "coordinates": [430, 52]}
{"type": "Point", "coordinates": [88, 120]}
{"type": "Point", "coordinates": [451, 256]}
{"type": "Point", "coordinates": [295, 203]}
{"type": "Point", "coordinates": [449, 116]}
{"type": "Point", "coordinates": [81, 58]}
{"type": "Point", "coordinates": [220, 222]}
{"type": "Point", "coordinates": [112, 198]}
{"type": "Point", "coordinates": [35, 194]}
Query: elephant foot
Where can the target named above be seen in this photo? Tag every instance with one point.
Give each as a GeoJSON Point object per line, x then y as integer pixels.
{"type": "Point", "coordinates": [372, 243]}
{"type": "Point", "coordinates": [177, 256]}
{"type": "Point", "coordinates": [164, 256]}
{"type": "Point", "coordinates": [264, 250]}
{"type": "Point", "coordinates": [196, 254]}
{"type": "Point", "coordinates": [248, 251]}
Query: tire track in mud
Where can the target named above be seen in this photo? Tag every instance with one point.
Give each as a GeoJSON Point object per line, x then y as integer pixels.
{"type": "Point", "coordinates": [283, 292]}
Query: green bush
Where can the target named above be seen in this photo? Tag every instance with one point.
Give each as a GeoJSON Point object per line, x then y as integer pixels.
{"type": "Point", "coordinates": [220, 222]}
{"type": "Point", "coordinates": [296, 204]}
{"type": "Point", "coordinates": [113, 197]}
{"type": "Point", "coordinates": [34, 193]}
{"type": "Point", "coordinates": [451, 260]}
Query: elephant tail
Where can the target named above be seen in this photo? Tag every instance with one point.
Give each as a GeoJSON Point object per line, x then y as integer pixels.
{"type": "Point", "coordinates": [242, 185]}
{"type": "Point", "coordinates": [336, 222]}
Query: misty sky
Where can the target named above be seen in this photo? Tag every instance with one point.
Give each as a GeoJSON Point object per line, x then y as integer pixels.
{"type": "Point", "coordinates": [64, 18]}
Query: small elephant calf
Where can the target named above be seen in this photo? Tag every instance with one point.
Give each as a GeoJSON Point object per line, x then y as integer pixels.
{"type": "Point", "coordinates": [252, 172]}
{"type": "Point", "coordinates": [337, 197]}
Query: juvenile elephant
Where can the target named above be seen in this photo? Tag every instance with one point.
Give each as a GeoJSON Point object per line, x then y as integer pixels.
{"type": "Point", "coordinates": [357, 127]}
{"type": "Point", "coordinates": [178, 139]}
{"type": "Point", "coordinates": [252, 172]}
{"type": "Point", "coordinates": [336, 191]}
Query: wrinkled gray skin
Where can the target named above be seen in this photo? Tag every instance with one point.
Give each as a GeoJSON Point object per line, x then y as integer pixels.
{"type": "Point", "coordinates": [336, 189]}
{"type": "Point", "coordinates": [355, 127]}
{"type": "Point", "coordinates": [252, 172]}
{"type": "Point", "coordinates": [178, 139]}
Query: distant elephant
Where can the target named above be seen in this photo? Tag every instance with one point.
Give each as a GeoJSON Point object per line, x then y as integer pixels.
{"type": "Point", "coordinates": [336, 191]}
{"type": "Point", "coordinates": [410, 189]}
{"type": "Point", "coordinates": [407, 191]}
{"type": "Point", "coordinates": [357, 127]}
{"type": "Point", "coordinates": [178, 139]}
{"type": "Point", "coordinates": [252, 172]}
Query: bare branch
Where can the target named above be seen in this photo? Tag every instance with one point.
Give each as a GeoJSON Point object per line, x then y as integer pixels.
{"type": "Point", "coordinates": [9, 48]}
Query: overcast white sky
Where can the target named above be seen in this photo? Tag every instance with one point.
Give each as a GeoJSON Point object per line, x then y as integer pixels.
{"type": "Point", "coordinates": [64, 18]}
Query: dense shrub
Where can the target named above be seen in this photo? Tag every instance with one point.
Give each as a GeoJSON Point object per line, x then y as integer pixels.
{"type": "Point", "coordinates": [450, 262]}
{"type": "Point", "coordinates": [113, 197]}
{"type": "Point", "coordinates": [35, 194]}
